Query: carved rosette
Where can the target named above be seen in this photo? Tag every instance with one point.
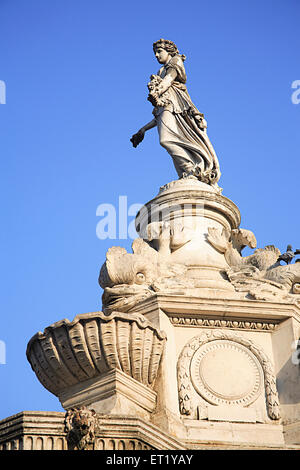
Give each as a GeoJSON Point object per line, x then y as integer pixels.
{"type": "Point", "coordinates": [68, 353]}
{"type": "Point", "coordinates": [225, 369]}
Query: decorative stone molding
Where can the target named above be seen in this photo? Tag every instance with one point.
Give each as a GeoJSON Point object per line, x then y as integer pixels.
{"type": "Point", "coordinates": [255, 357]}
{"type": "Point", "coordinates": [33, 430]}
{"type": "Point", "coordinates": [68, 353]}
{"type": "Point", "coordinates": [179, 193]}
{"type": "Point", "coordinates": [221, 323]}
{"type": "Point", "coordinates": [35, 442]}
{"type": "Point", "coordinates": [191, 183]}
{"type": "Point", "coordinates": [121, 444]}
{"type": "Point", "coordinates": [45, 430]}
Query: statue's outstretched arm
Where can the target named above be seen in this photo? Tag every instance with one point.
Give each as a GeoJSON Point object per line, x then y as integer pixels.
{"type": "Point", "coordinates": [137, 138]}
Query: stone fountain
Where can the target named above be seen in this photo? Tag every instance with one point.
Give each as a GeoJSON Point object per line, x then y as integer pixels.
{"type": "Point", "coordinates": [192, 348]}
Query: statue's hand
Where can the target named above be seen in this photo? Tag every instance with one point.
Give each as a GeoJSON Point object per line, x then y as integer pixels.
{"type": "Point", "coordinates": [137, 138]}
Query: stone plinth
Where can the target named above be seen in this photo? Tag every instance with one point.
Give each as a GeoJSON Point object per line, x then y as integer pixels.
{"type": "Point", "coordinates": [254, 339]}
{"type": "Point", "coordinates": [114, 393]}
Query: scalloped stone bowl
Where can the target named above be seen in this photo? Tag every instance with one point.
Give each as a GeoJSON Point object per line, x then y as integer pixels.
{"type": "Point", "coordinates": [68, 353]}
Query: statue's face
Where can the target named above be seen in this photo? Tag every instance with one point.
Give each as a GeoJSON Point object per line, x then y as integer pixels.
{"type": "Point", "coordinates": [162, 55]}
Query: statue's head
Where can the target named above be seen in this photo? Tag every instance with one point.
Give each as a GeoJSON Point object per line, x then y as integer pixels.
{"type": "Point", "coordinates": [167, 45]}
{"type": "Point", "coordinates": [164, 50]}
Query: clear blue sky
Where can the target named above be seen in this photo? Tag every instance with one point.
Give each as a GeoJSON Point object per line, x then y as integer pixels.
{"type": "Point", "coordinates": [76, 73]}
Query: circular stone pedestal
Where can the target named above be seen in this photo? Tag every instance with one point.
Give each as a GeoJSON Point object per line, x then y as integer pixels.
{"type": "Point", "coordinates": [190, 208]}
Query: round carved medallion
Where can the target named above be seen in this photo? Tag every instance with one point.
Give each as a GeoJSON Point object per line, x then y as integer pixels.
{"type": "Point", "coordinates": [226, 372]}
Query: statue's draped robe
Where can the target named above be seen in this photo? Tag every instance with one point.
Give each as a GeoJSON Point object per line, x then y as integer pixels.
{"type": "Point", "coordinates": [179, 131]}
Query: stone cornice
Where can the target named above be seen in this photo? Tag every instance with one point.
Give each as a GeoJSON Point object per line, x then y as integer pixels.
{"type": "Point", "coordinates": [32, 422]}
{"type": "Point", "coordinates": [242, 309]}
{"type": "Point", "coordinates": [49, 423]}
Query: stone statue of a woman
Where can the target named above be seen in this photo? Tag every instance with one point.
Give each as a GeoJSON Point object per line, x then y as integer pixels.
{"type": "Point", "coordinates": [181, 127]}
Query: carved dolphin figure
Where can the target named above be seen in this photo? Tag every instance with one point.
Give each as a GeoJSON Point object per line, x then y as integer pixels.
{"type": "Point", "coordinates": [231, 243]}
{"type": "Point", "coordinates": [128, 278]}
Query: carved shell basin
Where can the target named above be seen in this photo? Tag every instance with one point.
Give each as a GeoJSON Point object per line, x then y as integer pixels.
{"type": "Point", "coordinates": [68, 353]}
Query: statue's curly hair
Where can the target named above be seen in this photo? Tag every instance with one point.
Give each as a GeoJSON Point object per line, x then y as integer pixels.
{"type": "Point", "coordinates": [168, 45]}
